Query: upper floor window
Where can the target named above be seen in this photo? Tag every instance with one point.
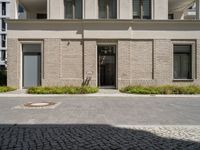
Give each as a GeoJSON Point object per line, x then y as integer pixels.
{"type": "Point", "coordinates": [73, 9]}
{"type": "Point", "coordinates": [108, 9]}
{"type": "Point", "coordinates": [3, 8]}
{"type": "Point", "coordinates": [41, 16]}
{"type": "Point", "coordinates": [141, 9]}
{"type": "Point", "coordinates": [3, 40]}
{"type": "Point", "coordinates": [3, 55]}
{"type": "Point", "coordinates": [3, 25]}
{"type": "Point", "coordinates": [20, 9]}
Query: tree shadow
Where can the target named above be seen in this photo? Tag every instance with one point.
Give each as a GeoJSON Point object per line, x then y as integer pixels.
{"type": "Point", "coordinates": [86, 137]}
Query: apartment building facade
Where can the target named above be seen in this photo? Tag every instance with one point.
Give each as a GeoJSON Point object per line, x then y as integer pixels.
{"type": "Point", "coordinates": [4, 14]}
{"type": "Point", "coordinates": [105, 43]}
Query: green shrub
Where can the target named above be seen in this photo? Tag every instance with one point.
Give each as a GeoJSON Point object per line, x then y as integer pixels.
{"type": "Point", "coordinates": [5, 89]}
{"type": "Point", "coordinates": [3, 78]}
{"type": "Point", "coordinates": [166, 89]}
{"type": "Point", "coordinates": [63, 90]}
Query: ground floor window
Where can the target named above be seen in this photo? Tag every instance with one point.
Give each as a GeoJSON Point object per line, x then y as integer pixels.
{"type": "Point", "coordinates": [182, 62]}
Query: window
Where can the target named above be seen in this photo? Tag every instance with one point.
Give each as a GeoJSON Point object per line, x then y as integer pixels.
{"type": "Point", "coordinates": [170, 16]}
{"type": "Point", "coordinates": [73, 9]}
{"type": "Point", "coordinates": [108, 9]}
{"type": "Point", "coordinates": [3, 40]}
{"type": "Point", "coordinates": [141, 9]}
{"type": "Point", "coordinates": [3, 55]}
{"type": "Point", "coordinates": [3, 8]}
{"type": "Point", "coordinates": [20, 9]}
{"type": "Point", "coordinates": [41, 16]}
{"type": "Point", "coordinates": [182, 62]}
{"type": "Point", "coordinates": [3, 25]}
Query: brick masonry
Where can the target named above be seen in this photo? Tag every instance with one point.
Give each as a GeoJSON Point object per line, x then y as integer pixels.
{"type": "Point", "coordinates": [62, 62]}
{"type": "Point", "coordinates": [144, 62]}
{"type": "Point", "coordinates": [13, 63]}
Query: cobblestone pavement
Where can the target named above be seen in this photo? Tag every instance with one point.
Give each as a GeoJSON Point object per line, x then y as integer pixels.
{"type": "Point", "coordinates": [98, 137]}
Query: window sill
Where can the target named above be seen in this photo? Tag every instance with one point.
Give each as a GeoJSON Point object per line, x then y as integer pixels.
{"type": "Point", "coordinates": [183, 80]}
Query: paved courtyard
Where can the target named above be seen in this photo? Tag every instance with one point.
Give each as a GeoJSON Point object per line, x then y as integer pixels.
{"type": "Point", "coordinates": [101, 123]}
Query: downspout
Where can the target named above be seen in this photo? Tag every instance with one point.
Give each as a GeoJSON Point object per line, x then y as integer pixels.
{"type": "Point", "coordinates": [83, 51]}
{"type": "Point", "coordinates": [48, 9]}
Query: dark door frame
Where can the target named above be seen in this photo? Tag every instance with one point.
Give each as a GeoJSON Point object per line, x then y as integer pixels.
{"type": "Point", "coordinates": [40, 67]}
{"type": "Point", "coordinates": [115, 68]}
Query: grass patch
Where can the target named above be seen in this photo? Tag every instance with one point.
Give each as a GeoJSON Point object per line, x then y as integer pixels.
{"type": "Point", "coordinates": [166, 89]}
{"type": "Point", "coordinates": [6, 89]}
{"type": "Point", "coordinates": [63, 90]}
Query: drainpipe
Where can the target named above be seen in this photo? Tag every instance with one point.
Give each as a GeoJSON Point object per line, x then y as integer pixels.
{"type": "Point", "coordinates": [197, 9]}
{"type": "Point", "coordinates": [83, 50]}
{"type": "Point", "coordinates": [48, 9]}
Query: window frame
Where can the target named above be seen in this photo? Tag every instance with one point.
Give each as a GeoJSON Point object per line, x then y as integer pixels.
{"type": "Point", "coordinates": [73, 10]}
{"type": "Point", "coordinates": [141, 2]}
{"type": "Point", "coordinates": [191, 61]}
{"type": "Point", "coordinates": [107, 10]}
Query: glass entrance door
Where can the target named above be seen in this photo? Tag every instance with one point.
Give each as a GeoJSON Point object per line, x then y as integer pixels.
{"type": "Point", "coordinates": [31, 70]}
{"type": "Point", "coordinates": [107, 66]}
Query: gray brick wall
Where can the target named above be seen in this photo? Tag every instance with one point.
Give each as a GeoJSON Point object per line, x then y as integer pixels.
{"type": "Point", "coordinates": [13, 74]}
{"type": "Point", "coordinates": [139, 62]}
{"type": "Point", "coordinates": [62, 62]}
{"type": "Point", "coordinates": [90, 62]}
{"type": "Point", "coordinates": [124, 72]}
{"type": "Point", "coordinates": [51, 60]}
{"type": "Point", "coordinates": [163, 61]}
{"type": "Point", "coordinates": [198, 60]}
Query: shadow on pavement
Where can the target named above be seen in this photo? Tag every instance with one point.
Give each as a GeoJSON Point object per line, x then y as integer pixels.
{"type": "Point", "coordinates": [85, 137]}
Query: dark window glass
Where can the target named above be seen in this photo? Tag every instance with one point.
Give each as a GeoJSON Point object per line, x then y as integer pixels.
{"type": "Point", "coordinates": [3, 25]}
{"type": "Point", "coordinates": [69, 9]}
{"type": "Point", "coordinates": [3, 8]}
{"type": "Point", "coordinates": [20, 9]}
{"type": "Point", "coordinates": [3, 40]}
{"type": "Point", "coordinates": [78, 9]}
{"type": "Point", "coordinates": [171, 16]}
{"type": "Point", "coordinates": [182, 62]}
{"type": "Point", "coordinates": [112, 9]}
{"type": "Point", "coordinates": [41, 16]}
{"type": "Point", "coordinates": [73, 9]}
{"type": "Point", "coordinates": [102, 9]}
{"type": "Point", "coordinates": [136, 9]}
{"type": "Point", "coordinates": [3, 55]}
{"type": "Point", "coordinates": [108, 9]}
{"type": "Point", "coordinates": [146, 9]}
{"type": "Point", "coordinates": [141, 9]}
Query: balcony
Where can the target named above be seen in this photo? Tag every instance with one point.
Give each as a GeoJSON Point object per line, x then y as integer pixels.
{"type": "Point", "coordinates": [182, 9]}
{"type": "Point", "coordinates": [32, 9]}
{"type": "Point", "coordinates": [190, 14]}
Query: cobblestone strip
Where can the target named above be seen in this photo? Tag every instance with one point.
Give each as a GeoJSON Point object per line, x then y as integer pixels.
{"type": "Point", "coordinates": [98, 137]}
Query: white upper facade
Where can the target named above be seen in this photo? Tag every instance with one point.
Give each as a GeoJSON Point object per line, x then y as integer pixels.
{"type": "Point", "coordinates": [105, 9]}
{"type": "Point", "coordinates": [4, 14]}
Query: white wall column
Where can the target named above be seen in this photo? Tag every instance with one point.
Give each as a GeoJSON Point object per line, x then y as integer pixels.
{"type": "Point", "coordinates": [13, 9]}
{"type": "Point", "coordinates": [55, 9]}
{"type": "Point", "coordinates": [125, 9]}
{"type": "Point", "coordinates": [48, 9]}
{"type": "Point", "coordinates": [160, 9]}
{"type": "Point", "coordinates": [198, 9]}
{"type": "Point", "coordinates": [90, 9]}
